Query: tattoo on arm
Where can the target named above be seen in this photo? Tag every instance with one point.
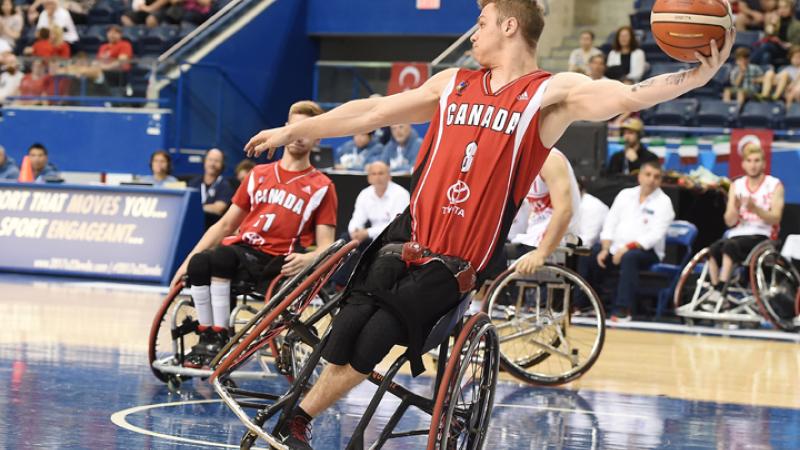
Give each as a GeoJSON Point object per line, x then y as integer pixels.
{"type": "Point", "coordinates": [678, 78]}
{"type": "Point", "coordinates": [643, 84]}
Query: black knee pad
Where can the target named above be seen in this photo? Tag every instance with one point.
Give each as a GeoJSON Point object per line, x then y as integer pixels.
{"type": "Point", "coordinates": [199, 269]}
{"type": "Point", "coordinates": [224, 262]}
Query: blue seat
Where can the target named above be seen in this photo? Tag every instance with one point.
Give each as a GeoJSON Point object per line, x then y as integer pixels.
{"type": "Point", "coordinates": [792, 119]}
{"type": "Point", "coordinates": [133, 35]}
{"type": "Point", "coordinates": [707, 159]}
{"type": "Point", "coordinates": [92, 39]}
{"type": "Point", "coordinates": [716, 113]}
{"type": "Point", "coordinates": [714, 87]}
{"type": "Point", "coordinates": [762, 115]}
{"type": "Point", "coordinates": [681, 234]}
{"type": "Point", "coordinates": [102, 13]}
{"type": "Point", "coordinates": [649, 44]}
{"type": "Point", "coordinates": [678, 113]}
{"type": "Point", "coordinates": [660, 68]}
{"type": "Point", "coordinates": [446, 324]}
{"type": "Point", "coordinates": [158, 40]}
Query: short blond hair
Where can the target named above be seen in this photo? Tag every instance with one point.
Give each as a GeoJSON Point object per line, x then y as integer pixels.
{"type": "Point", "coordinates": [752, 149]}
{"type": "Point", "coordinates": [306, 108]}
{"type": "Point", "coordinates": [527, 12]}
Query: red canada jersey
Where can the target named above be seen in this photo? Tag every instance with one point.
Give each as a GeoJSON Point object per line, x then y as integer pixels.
{"type": "Point", "coordinates": [284, 208]}
{"type": "Point", "coordinates": [479, 158]}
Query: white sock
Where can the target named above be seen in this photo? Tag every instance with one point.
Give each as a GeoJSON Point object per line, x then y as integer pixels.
{"type": "Point", "coordinates": [221, 301]}
{"type": "Point", "coordinates": [202, 304]}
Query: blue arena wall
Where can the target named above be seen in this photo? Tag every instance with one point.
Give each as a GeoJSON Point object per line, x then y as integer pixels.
{"type": "Point", "coordinates": [389, 17]}
{"type": "Point", "coordinates": [246, 83]}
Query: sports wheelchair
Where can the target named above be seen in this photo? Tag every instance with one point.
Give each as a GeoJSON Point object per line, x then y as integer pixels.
{"type": "Point", "coordinates": [174, 328]}
{"type": "Point", "coordinates": [464, 387]}
{"type": "Point", "coordinates": [551, 324]}
{"type": "Point", "coordinates": [765, 286]}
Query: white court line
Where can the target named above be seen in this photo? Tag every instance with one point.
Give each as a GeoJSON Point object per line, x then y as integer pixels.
{"type": "Point", "coordinates": [119, 419]}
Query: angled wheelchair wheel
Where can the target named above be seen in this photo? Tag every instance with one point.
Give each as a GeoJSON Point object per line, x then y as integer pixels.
{"type": "Point", "coordinates": [775, 284]}
{"type": "Point", "coordinates": [283, 310]}
{"type": "Point", "coordinates": [551, 324]}
{"type": "Point", "coordinates": [694, 285]}
{"type": "Point", "coordinates": [465, 396]}
{"type": "Point", "coordinates": [172, 333]}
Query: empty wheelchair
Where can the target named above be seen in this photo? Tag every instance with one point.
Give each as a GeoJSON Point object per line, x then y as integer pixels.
{"type": "Point", "coordinates": [460, 407]}
{"type": "Point", "coordinates": [551, 325]}
{"type": "Point", "coordinates": [174, 328]}
{"type": "Point", "coordinates": [763, 287]}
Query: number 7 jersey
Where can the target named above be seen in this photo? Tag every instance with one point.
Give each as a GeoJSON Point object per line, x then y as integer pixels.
{"type": "Point", "coordinates": [283, 208]}
{"type": "Point", "coordinates": [478, 160]}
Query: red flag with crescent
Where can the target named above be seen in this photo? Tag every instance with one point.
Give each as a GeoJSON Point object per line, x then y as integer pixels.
{"type": "Point", "coordinates": [407, 76]}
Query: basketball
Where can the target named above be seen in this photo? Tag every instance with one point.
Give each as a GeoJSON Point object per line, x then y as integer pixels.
{"type": "Point", "coordinates": [682, 27]}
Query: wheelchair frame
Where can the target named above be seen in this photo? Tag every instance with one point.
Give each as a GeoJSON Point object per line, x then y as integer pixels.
{"type": "Point", "coordinates": [524, 372]}
{"type": "Point", "coordinates": [472, 335]}
{"type": "Point", "coordinates": [740, 305]}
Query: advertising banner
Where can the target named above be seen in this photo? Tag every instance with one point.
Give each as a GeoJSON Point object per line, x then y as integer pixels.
{"type": "Point", "coordinates": [119, 233]}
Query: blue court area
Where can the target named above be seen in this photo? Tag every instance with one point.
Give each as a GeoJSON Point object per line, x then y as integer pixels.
{"type": "Point", "coordinates": [58, 396]}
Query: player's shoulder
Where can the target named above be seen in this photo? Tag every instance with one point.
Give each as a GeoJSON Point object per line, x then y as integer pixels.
{"type": "Point", "coordinates": [319, 178]}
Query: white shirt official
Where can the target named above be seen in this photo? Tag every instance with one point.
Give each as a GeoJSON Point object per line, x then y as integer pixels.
{"type": "Point", "coordinates": [645, 222]}
{"type": "Point", "coordinates": [591, 215]}
{"type": "Point", "coordinates": [379, 211]}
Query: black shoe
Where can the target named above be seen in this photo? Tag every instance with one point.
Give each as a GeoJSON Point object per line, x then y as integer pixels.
{"type": "Point", "coordinates": [296, 433]}
{"type": "Point", "coordinates": [217, 340]}
{"type": "Point", "coordinates": [199, 355]}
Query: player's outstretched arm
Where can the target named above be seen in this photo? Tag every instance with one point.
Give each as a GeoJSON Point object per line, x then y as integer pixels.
{"type": "Point", "coordinates": [571, 97]}
{"type": "Point", "coordinates": [358, 116]}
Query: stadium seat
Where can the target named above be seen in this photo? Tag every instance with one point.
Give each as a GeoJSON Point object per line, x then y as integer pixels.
{"type": "Point", "coordinates": [716, 113]}
{"type": "Point", "coordinates": [678, 113]}
{"type": "Point", "coordinates": [746, 39]}
{"type": "Point", "coordinates": [102, 13]}
{"type": "Point", "coordinates": [158, 40]}
{"type": "Point", "coordinates": [660, 68]}
{"type": "Point", "coordinates": [133, 35]}
{"type": "Point", "coordinates": [762, 115]}
{"type": "Point", "coordinates": [717, 84]}
{"type": "Point", "coordinates": [792, 119]}
{"type": "Point", "coordinates": [680, 234]}
{"type": "Point", "coordinates": [649, 44]}
{"type": "Point", "coordinates": [92, 39]}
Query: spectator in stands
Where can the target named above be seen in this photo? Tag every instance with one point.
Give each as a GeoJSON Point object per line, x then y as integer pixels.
{"type": "Point", "coordinates": [161, 167]}
{"type": "Point", "coordinates": [42, 169]}
{"type": "Point", "coordinates": [375, 207]}
{"type": "Point", "coordinates": [626, 59]}
{"type": "Point", "coordinates": [114, 58]}
{"type": "Point", "coordinates": [775, 45]}
{"type": "Point", "coordinates": [8, 167]}
{"type": "Point", "coordinates": [243, 169]}
{"type": "Point", "coordinates": [633, 237]}
{"type": "Point", "coordinates": [784, 80]}
{"type": "Point", "coordinates": [751, 13]}
{"type": "Point", "coordinates": [355, 153]}
{"type": "Point", "coordinates": [215, 191]}
{"type": "Point", "coordinates": [11, 23]}
{"type": "Point", "coordinates": [597, 67]}
{"type": "Point", "coordinates": [401, 152]}
{"type": "Point", "coordinates": [193, 11]}
{"type": "Point", "coordinates": [635, 154]}
{"type": "Point", "coordinates": [754, 212]}
{"type": "Point", "coordinates": [79, 10]}
{"type": "Point", "coordinates": [145, 12]}
{"type": "Point", "coordinates": [591, 216]}
{"type": "Point", "coordinates": [383, 135]}
{"type": "Point", "coordinates": [745, 79]}
{"type": "Point", "coordinates": [38, 83]}
{"type": "Point", "coordinates": [55, 15]}
{"type": "Point", "coordinates": [580, 57]}
{"type": "Point", "coordinates": [378, 204]}
{"type": "Point", "coordinates": [49, 44]}
{"type": "Point", "coordinates": [10, 77]}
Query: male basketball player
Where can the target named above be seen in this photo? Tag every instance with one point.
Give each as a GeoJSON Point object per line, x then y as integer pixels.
{"type": "Point", "coordinates": [550, 209]}
{"type": "Point", "coordinates": [490, 132]}
{"type": "Point", "coordinates": [277, 209]}
{"type": "Point", "coordinates": [754, 211]}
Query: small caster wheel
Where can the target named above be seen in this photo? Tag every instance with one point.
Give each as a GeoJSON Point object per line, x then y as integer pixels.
{"type": "Point", "coordinates": [227, 382]}
{"type": "Point", "coordinates": [248, 440]}
{"type": "Point", "coordinates": [174, 385]}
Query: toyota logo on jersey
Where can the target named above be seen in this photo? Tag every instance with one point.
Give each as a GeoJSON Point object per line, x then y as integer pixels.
{"type": "Point", "coordinates": [458, 193]}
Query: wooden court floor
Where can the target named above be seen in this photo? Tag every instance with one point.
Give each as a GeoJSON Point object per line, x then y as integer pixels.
{"type": "Point", "coordinates": [82, 346]}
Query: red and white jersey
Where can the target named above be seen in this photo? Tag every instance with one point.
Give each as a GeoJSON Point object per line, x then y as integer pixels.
{"type": "Point", "coordinates": [534, 216]}
{"type": "Point", "coordinates": [749, 222]}
{"type": "Point", "coordinates": [477, 163]}
{"type": "Point", "coordinates": [284, 208]}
